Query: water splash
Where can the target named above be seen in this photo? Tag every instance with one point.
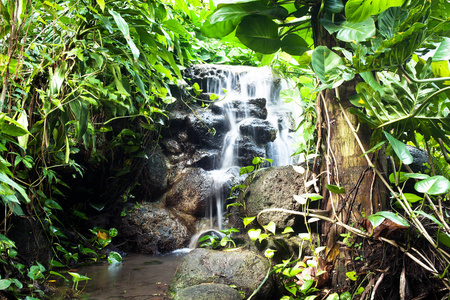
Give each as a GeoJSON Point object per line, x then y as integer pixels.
{"type": "Point", "coordinates": [260, 123]}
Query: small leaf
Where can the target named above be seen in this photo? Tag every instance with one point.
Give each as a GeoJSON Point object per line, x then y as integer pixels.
{"type": "Point", "coordinates": [319, 249]}
{"type": "Point", "coordinates": [299, 169]}
{"type": "Point", "coordinates": [254, 234]}
{"type": "Point", "coordinates": [312, 220]}
{"type": "Point", "coordinates": [300, 199]}
{"type": "Point", "coordinates": [287, 230]}
{"type": "Point", "coordinates": [248, 220]}
{"type": "Point", "coordinates": [335, 189]}
{"type": "Point", "coordinates": [393, 217]}
{"type": "Point", "coordinates": [304, 236]}
{"type": "Point", "coordinates": [313, 197]}
{"type": "Point", "coordinates": [416, 175]}
{"type": "Point", "coordinates": [4, 284]}
{"type": "Point", "coordinates": [114, 258]}
{"type": "Point", "coordinates": [346, 295]}
{"type": "Point", "coordinates": [101, 3]}
{"type": "Point", "coordinates": [352, 275]}
{"type": "Point", "coordinates": [269, 253]}
{"type": "Point", "coordinates": [444, 239]}
{"type": "Point", "coordinates": [271, 227]}
{"type": "Point", "coordinates": [334, 296]}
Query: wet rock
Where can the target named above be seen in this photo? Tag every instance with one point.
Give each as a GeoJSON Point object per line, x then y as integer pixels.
{"type": "Point", "coordinates": [261, 131]}
{"type": "Point", "coordinates": [242, 268]}
{"type": "Point", "coordinates": [255, 108]}
{"type": "Point", "coordinates": [272, 188]}
{"type": "Point", "coordinates": [151, 228]}
{"type": "Point", "coordinates": [207, 129]}
{"type": "Point", "coordinates": [205, 159]}
{"type": "Point", "coordinates": [154, 177]}
{"type": "Point", "coordinates": [247, 150]}
{"type": "Point", "coordinates": [420, 159]}
{"type": "Point", "coordinates": [207, 292]}
{"type": "Point", "coordinates": [191, 192]}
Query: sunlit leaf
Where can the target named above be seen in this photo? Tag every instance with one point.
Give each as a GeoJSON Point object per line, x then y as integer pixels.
{"type": "Point", "coordinates": [300, 199]}
{"type": "Point", "coordinates": [248, 220]}
{"type": "Point", "coordinates": [443, 51]}
{"type": "Point", "coordinates": [357, 32]}
{"type": "Point", "coordinates": [352, 275]}
{"type": "Point", "coordinates": [287, 230]}
{"type": "Point", "coordinates": [359, 10]}
{"type": "Point", "coordinates": [435, 185]}
{"type": "Point", "coordinates": [271, 227]}
{"type": "Point", "coordinates": [412, 198]}
{"type": "Point", "coordinates": [254, 234]}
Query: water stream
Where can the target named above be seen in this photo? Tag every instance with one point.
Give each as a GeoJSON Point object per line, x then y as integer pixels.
{"type": "Point", "coordinates": [138, 277]}
{"type": "Point", "coordinates": [147, 277]}
{"type": "Point", "coordinates": [240, 86]}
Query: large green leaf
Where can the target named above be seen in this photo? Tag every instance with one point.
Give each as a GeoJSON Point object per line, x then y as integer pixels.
{"type": "Point", "coordinates": [389, 21]}
{"type": "Point", "coordinates": [123, 27]}
{"type": "Point", "coordinates": [323, 61]}
{"type": "Point", "coordinates": [219, 29]}
{"type": "Point", "coordinates": [400, 149]}
{"type": "Point", "coordinates": [259, 33]}
{"type": "Point", "coordinates": [357, 11]}
{"type": "Point", "coordinates": [20, 189]}
{"type": "Point", "coordinates": [388, 215]}
{"type": "Point", "coordinates": [435, 185]}
{"type": "Point", "coordinates": [294, 44]}
{"type": "Point", "coordinates": [357, 32]}
{"type": "Point", "coordinates": [443, 51]}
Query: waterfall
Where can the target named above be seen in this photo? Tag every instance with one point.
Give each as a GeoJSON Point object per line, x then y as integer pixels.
{"type": "Point", "coordinates": [259, 122]}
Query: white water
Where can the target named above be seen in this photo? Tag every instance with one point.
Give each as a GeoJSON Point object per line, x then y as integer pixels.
{"type": "Point", "coordinates": [243, 84]}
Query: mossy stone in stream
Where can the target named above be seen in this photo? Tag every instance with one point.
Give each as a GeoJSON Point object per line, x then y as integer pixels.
{"type": "Point", "coordinates": [207, 292]}
{"type": "Point", "coordinates": [242, 268]}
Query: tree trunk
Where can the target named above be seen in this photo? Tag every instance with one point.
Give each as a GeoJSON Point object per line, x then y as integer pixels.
{"type": "Point", "coordinates": [343, 165]}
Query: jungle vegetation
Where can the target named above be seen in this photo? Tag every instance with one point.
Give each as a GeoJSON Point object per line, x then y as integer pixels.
{"type": "Point", "coordinates": [86, 83]}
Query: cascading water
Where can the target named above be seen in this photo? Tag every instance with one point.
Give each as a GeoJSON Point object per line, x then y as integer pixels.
{"type": "Point", "coordinates": [259, 124]}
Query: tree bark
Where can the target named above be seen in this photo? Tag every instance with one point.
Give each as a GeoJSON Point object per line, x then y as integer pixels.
{"type": "Point", "coordinates": [343, 165]}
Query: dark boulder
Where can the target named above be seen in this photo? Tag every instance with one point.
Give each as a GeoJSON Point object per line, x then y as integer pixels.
{"type": "Point", "coordinates": [247, 149]}
{"type": "Point", "coordinates": [151, 228]}
{"type": "Point", "coordinates": [261, 131]}
{"type": "Point", "coordinates": [191, 192]}
{"type": "Point", "coordinates": [244, 269]}
{"type": "Point", "coordinates": [206, 128]}
{"type": "Point", "coordinates": [272, 188]}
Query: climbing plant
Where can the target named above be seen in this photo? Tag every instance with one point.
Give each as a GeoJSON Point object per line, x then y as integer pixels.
{"type": "Point", "coordinates": [71, 73]}
{"type": "Point", "coordinates": [383, 73]}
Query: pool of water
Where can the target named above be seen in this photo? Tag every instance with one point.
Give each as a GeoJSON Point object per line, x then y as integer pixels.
{"type": "Point", "coordinates": [138, 277]}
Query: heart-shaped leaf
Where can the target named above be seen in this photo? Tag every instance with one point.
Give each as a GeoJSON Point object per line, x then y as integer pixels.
{"type": "Point", "coordinates": [435, 185]}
